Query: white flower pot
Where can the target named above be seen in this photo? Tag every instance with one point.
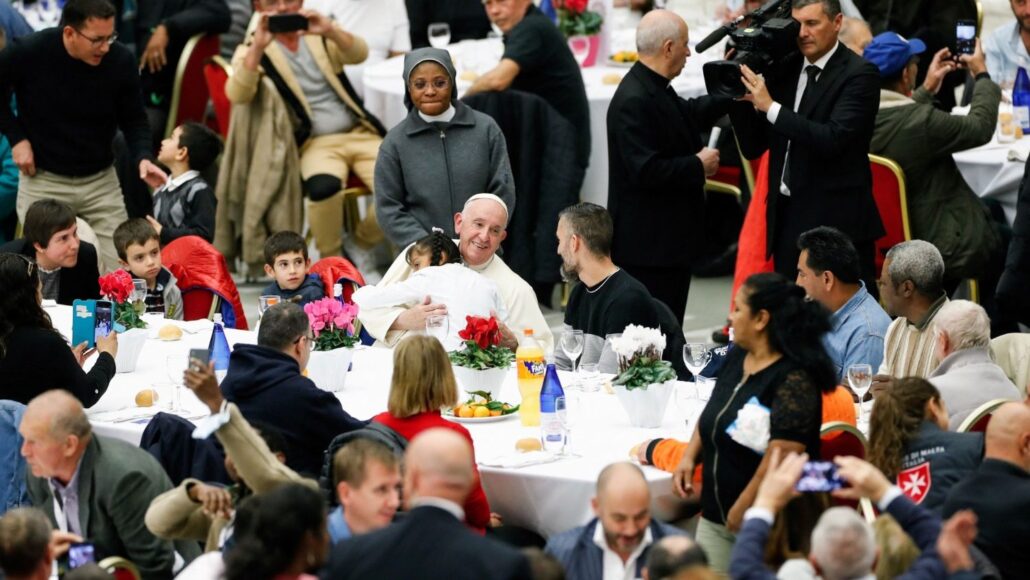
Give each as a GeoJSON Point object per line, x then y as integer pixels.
{"type": "Point", "coordinates": [130, 345]}
{"type": "Point", "coordinates": [328, 368]}
{"type": "Point", "coordinates": [645, 405]}
{"type": "Point", "coordinates": [489, 380]}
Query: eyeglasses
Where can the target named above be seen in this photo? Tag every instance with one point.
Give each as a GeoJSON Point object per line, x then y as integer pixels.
{"type": "Point", "coordinates": [99, 41]}
{"type": "Point", "coordinates": [438, 84]}
{"type": "Point", "coordinates": [309, 337]}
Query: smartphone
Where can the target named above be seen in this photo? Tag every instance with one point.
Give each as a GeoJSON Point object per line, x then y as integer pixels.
{"type": "Point", "coordinates": [199, 358]}
{"type": "Point", "coordinates": [84, 329]}
{"type": "Point", "coordinates": [79, 554]}
{"type": "Point", "coordinates": [819, 476]}
{"type": "Point", "coordinates": [965, 37]}
{"type": "Point", "coordinates": [287, 22]}
{"type": "Point", "coordinates": [103, 320]}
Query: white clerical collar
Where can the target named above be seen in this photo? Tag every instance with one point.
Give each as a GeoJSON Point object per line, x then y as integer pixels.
{"type": "Point", "coordinates": [821, 63]}
{"type": "Point", "coordinates": [174, 182]}
{"type": "Point", "coordinates": [444, 117]}
{"type": "Point", "coordinates": [438, 502]}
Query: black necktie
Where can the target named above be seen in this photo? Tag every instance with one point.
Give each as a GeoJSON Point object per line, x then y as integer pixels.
{"type": "Point", "coordinates": [812, 71]}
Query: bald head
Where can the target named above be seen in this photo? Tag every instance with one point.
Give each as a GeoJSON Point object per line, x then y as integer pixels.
{"type": "Point", "coordinates": [671, 554]}
{"type": "Point", "coordinates": [1008, 434]}
{"type": "Point", "coordinates": [623, 506]}
{"type": "Point", "coordinates": [620, 478]}
{"type": "Point", "coordinates": [662, 43]}
{"type": "Point", "coordinates": [438, 464]}
{"type": "Point", "coordinates": [61, 412]}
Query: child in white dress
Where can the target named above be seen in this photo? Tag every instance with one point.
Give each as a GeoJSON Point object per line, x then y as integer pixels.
{"type": "Point", "coordinates": [439, 274]}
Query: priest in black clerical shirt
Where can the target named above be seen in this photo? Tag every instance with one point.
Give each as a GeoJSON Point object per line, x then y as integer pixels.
{"type": "Point", "coordinates": [657, 163]}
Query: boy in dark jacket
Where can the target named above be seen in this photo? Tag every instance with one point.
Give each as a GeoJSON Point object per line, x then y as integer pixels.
{"type": "Point", "coordinates": [185, 205]}
{"type": "Point", "coordinates": [286, 260]}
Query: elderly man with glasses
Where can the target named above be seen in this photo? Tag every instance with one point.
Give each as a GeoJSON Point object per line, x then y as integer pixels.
{"type": "Point", "coordinates": [74, 87]}
{"type": "Point", "coordinates": [266, 382]}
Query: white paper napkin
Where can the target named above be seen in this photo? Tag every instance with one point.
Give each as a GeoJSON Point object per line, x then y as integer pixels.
{"type": "Point", "coordinates": [516, 460]}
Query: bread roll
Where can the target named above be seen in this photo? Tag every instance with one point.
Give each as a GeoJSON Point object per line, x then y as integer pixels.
{"type": "Point", "coordinates": [146, 398]}
{"type": "Point", "coordinates": [169, 332]}
{"type": "Point", "coordinates": [611, 79]}
{"type": "Point", "coordinates": [527, 444]}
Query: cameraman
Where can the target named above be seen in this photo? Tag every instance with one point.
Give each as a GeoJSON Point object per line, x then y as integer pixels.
{"type": "Point", "coordinates": [816, 119]}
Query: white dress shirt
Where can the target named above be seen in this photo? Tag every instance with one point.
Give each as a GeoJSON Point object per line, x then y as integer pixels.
{"type": "Point", "coordinates": [612, 564]}
{"type": "Point", "coordinates": [774, 110]}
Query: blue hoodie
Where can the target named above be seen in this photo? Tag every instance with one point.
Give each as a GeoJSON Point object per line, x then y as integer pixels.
{"type": "Point", "coordinates": [267, 386]}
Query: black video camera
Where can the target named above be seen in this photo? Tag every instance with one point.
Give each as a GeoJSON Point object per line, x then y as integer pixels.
{"type": "Point", "coordinates": [770, 38]}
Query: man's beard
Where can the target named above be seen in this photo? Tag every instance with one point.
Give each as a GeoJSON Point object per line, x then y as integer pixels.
{"type": "Point", "coordinates": [568, 273]}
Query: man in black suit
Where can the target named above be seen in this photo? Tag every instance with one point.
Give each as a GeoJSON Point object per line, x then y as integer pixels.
{"type": "Point", "coordinates": [657, 163]}
{"type": "Point", "coordinates": [816, 119]}
{"type": "Point", "coordinates": [1000, 490]}
{"type": "Point", "coordinates": [430, 542]}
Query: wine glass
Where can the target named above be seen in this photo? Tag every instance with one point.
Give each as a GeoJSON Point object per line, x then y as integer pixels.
{"type": "Point", "coordinates": [175, 368]}
{"type": "Point", "coordinates": [568, 412]}
{"type": "Point", "coordinates": [437, 326]}
{"type": "Point", "coordinates": [685, 394]}
{"type": "Point", "coordinates": [572, 345]}
{"type": "Point", "coordinates": [580, 47]}
{"type": "Point", "coordinates": [860, 377]}
{"type": "Point", "coordinates": [439, 34]}
{"type": "Point", "coordinates": [696, 355]}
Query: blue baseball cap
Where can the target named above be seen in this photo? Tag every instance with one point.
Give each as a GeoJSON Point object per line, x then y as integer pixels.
{"type": "Point", "coordinates": [890, 52]}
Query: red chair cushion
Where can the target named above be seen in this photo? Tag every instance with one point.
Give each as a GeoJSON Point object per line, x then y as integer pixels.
{"type": "Point", "coordinates": [193, 92]}
{"type": "Point", "coordinates": [215, 78]}
{"type": "Point", "coordinates": [206, 276]}
{"type": "Point", "coordinates": [334, 269]}
{"type": "Point", "coordinates": [887, 193]}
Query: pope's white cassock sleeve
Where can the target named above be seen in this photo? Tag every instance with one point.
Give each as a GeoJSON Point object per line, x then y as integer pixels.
{"type": "Point", "coordinates": [518, 297]}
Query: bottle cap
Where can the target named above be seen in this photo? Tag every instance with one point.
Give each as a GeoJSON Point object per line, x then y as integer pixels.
{"type": "Point", "coordinates": [337, 289]}
{"type": "Point", "coordinates": [218, 318]}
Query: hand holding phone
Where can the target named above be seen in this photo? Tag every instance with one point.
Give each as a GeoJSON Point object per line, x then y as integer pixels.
{"type": "Point", "coordinates": [819, 476]}
{"type": "Point", "coordinates": [292, 22]}
{"type": "Point", "coordinates": [965, 37]}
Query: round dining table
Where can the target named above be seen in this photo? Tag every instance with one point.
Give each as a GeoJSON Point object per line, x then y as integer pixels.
{"type": "Point", "coordinates": [549, 495]}
{"type": "Point", "coordinates": [384, 92]}
{"type": "Point", "coordinates": [995, 170]}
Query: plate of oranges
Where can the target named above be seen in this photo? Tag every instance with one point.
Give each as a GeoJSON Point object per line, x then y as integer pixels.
{"type": "Point", "coordinates": [481, 408]}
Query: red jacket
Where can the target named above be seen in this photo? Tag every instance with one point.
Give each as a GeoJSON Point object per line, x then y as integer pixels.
{"type": "Point", "coordinates": [477, 509]}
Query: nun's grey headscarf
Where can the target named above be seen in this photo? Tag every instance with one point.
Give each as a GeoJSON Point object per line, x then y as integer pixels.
{"type": "Point", "coordinates": [437, 55]}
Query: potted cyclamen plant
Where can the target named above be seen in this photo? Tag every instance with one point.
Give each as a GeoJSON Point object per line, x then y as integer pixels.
{"type": "Point", "coordinates": [483, 364]}
{"type": "Point", "coordinates": [582, 28]}
{"type": "Point", "coordinates": [332, 323]}
{"type": "Point", "coordinates": [127, 305]}
{"type": "Point", "coordinates": [645, 381]}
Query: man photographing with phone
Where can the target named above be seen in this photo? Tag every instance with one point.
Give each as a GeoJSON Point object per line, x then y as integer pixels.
{"type": "Point", "coordinates": [303, 52]}
{"type": "Point", "coordinates": [843, 545]}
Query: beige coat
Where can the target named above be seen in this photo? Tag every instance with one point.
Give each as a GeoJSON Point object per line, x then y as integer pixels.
{"type": "Point", "coordinates": [259, 182]}
{"type": "Point", "coordinates": [173, 515]}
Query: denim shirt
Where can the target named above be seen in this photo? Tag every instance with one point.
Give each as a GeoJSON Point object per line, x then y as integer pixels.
{"type": "Point", "coordinates": [1005, 53]}
{"type": "Point", "coordinates": [857, 334]}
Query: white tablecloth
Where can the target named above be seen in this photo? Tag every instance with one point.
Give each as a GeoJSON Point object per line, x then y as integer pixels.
{"type": "Point", "coordinates": [384, 95]}
{"type": "Point", "coordinates": [989, 172]}
{"type": "Point", "coordinates": [548, 498]}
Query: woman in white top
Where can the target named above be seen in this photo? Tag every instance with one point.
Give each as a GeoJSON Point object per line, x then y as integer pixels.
{"type": "Point", "coordinates": [439, 274]}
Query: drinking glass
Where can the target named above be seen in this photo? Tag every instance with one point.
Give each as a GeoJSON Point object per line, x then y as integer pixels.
{"type": "Point", "coordinates": [568, 410]}
{"type": "Point", "coordinates": [439, 34]}
{"type": "Point", "coordinates": [175, 366]}
{"type": "Point", "coordinates": [609, 361]}
{"type": "Point", "coordinates": [139, 296]}
{"type": "Point", "coordinates": [860, 377]}
{"type": "Point", "coordinates": [437, 326]}
{"type": "Point", "coordinates": [265, 302]}
{"type": "Point", "coordinates": [572, 345]}
{"type": "Point", "coordinates": [580, 47]}
{"type": "Point", "coordinates": [589, 377]}
{"type": "Point", "coordinates": [696, 355]}
{"type": "Point", "coordinates": [704, 386]}
{"type": "Point", "coordinates": [685, 395]}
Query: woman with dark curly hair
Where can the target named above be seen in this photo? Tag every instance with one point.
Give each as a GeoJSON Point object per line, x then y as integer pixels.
{"type": "Point", "coordinates": [780, 362]}
{"type": "Point", "coordinates": [909, 442]}
{"type": "Point", "coordinates": [284, 536]}
{"type": "Point", "coordinates": [34, 357]}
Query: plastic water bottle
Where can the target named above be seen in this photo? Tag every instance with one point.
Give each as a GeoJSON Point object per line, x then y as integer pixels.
{"type": "Point", "coordinates": [552, 433]}
{"type": "Point", "coordinates": [1021, 100]}
{"type": "Point", "coordinates": [219, 349]}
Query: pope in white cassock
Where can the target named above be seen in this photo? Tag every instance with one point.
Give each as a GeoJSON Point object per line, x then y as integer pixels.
{"type": "Point", "coordinates": [481, 227]}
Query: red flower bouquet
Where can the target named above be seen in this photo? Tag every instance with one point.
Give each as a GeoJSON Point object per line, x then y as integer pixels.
{"type": "Point", "coordinates": [575, 20]}
{"type": "Point", "coordinates": [482, 350]}
{"type": "Point", "coordinates": [118, 288]}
